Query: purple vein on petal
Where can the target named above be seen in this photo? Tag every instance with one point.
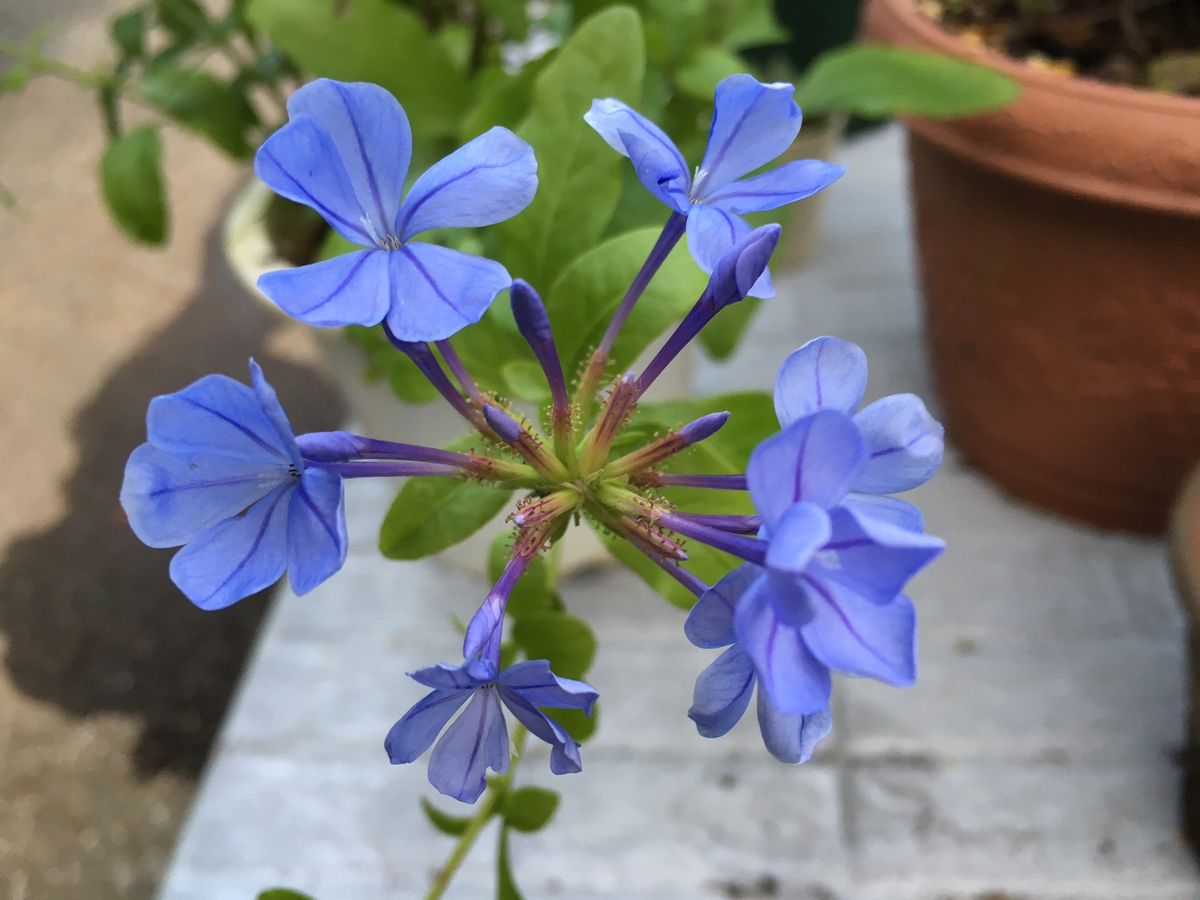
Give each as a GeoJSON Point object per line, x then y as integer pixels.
{"type": "Point", "coordinates": [412, 257]}
{"type": "Point", "coordinates": [238, 425]}
{"type": "Point", "coordinates": [342, 286]}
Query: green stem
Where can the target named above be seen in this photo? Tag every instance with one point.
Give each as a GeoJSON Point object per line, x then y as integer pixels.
{"type": "Point", "coordinates": [45, 65]}
{"type": "Point", "coordinates": [496, 790]}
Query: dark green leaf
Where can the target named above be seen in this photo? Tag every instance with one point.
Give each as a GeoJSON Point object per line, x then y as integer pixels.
{"type": "Point", "coordinates": [444, 822]}
{"type": "Point", "coordinates": [203, 103]}
{"type": "Point", "coordinates": [529, 809]}
{"type": "Point", "coordinates": [129, 32]}
{"type": "Point", "coordinates": [534, 592]}
{"type": "Point", "coordinates": [184, 19]}
{"type": "Point", "coordinates": [875, 81]}
{"type": "Point", "coordinates": [282, 894]}
{"type": "Point", "coordinates": [431, 514]}
{"type": "Point", "coordinates": [370, 40]}
{"type": "Point", "coordinates": [513, 15]}
{"type": "Point", "coordinates": [720, 338]}
{"type": "Point", "coordinates": [578, 724]}
{"type": "Point", "coordinates": [131, 179]}
{"type": "Point", "coordinates": [566, 641]}
{"type": "Point", "coordinates": [506, 886]}
{"type": "Point", "coordinates": [579, 176]}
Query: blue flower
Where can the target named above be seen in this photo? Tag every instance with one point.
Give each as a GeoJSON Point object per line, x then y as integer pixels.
{"type": "Point", "coordinates": [723, 689]}
{"type": "Point", "coordinates": [905, 442]}
{"type": "Point", "coordinates": [478, 739]}
{"type": "Point", "coordinates": [753, 123]}
{"type": "Point", "coordinates": [345, 152]}
{"type": "Point", "coordinates": [221, 474]}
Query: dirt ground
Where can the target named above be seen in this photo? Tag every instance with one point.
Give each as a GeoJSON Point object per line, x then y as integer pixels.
{"type": "Point", "coordinates": [112, 685]}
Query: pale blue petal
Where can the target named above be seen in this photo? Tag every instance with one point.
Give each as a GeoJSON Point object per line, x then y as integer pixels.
{"type": "Point", "coordinates": [791, 739]}
{"type": "Point", "coordinates": [370, 133]}
{"type": "Point", "coordinates": [484, 630]}
{"type": "Point", "coordinates": [874, 558]}
{"type": "Point", "coordinates": [851, 634]}
{"type": "Point", "coordinates": [710, 623]}
{"type": "Point", "coordinates": [317, 541]}
{"type": "Point", "coordinates": [486, 181]}
{"type": "Point", "coordinates": [216, 416]}
{"type": "Point", "coordinates": [300, 162]}
{"type": "Point", "coordinates": [782, 185]}
{"type": "Point", "coordinates": [722, 693]}
{"type": "Point", "coordinates": [409, 738]}
{"type": "Point", "coordinates": [236, 557]}
{"type": "Point", "coordinates": [351, 289]}
{"type": "Point", "coordinates": [905, 441]}
{"type": "Point", "coordinates": [169, 498]}
{"type": "Point", "coordinates": [793, 678]}
{"type": "Point", "coordinates": [752, 124]}
{"type": "Point", "coordinates": [711, 233]}
{"type": "Point", "coordinates": [799, 533]}
{"type": "Point", "coordinates": [564, 755]}
{"type": "Point", "coordinates": [885, 509]}
{"type": "Point", "coordinates": [269, 401]}
{"type": "Point", "coordinates": [476, 741]}
{"type": "Point", "coordinates": [437, 291]}
{"type": "Point", "coordinates": [815, 459]}
{"type": "Point", "coordinates": [826, 373]}
{"type": "Point", "coordinates": [534, 681]}
{"type": "Point", "coordinates": [446, 677]}
{"type": "Point", "coordinates": [659, 165]}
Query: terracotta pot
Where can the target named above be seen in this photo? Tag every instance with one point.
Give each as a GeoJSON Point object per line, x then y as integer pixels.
{"type": "Point", "coordinates": [1059, 248]}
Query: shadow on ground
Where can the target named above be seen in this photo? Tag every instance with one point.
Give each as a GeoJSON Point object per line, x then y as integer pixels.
{"type": "Point", "coordinates": [93, 623]}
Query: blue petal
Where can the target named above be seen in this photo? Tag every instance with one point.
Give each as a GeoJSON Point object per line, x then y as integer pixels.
{"type": "Point", "coordinates": [269, 401]}
{"type": "Point", "coordinates": [793, 678]}
{"type": "Point", "coordinates": [872, 557]}
{"type": "Point", "coordinates": [659, 165]}
{"type": "Point", "coordinates": [752, 124]}
{"type": "Point", "coordinates": [826, 373]}
{"type": "Point", "coordinates": [317, 541]}
{"type": "Point", "coordinates": [412, 735]}
{"type": "Point", "coordinates": [216, 416]}
{"type": "Point", "coordinates": [446, 677]}
{"type": "Point", "coordinates": [711, 233]}
{"type": "Point", "coordinates": [475, 742]}
{"type": "Point", "coordinates": [347, 290]}
{"type": "Point", "coordinates": [236, 557]}
{"type": "Point", "coordinates": [169, 498]}
{"type": "Point", "coordinates": [437, 291]}
{"type": "Point", "coordinates": [300, 162]}
{"type": "Point", "coordinates": [722, 693]}
{"type": "Point", "coordinates": [791, 739]}
{"type": "Point", "coordinates": [815, 459]}
{"type": "Point", "coordinates": [905, 441]}
{"type": "Point", "coordinates": [799, 533]}
{"type": "Point", "coordinates": [483, 631]}
{"type": "Point", "coordinates": [534, 681]}
{"type": "Point", "coordinates": [892, 510]}
{"type": "Point", "coordinates": [710, 623]}
{"type": "Point", "coordinates": [369, 131]}
{"type": "Point", "coordinates": [783, 185]}
{"type": "Point", "coordinates": [851, 634]}
{"type": "Point", "coordinates": [486, 181]}
{"type": "Point", "coordinates": [564, 755]}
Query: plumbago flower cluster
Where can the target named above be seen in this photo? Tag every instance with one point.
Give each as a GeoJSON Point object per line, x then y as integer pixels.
{"type": "Point", "coordinates": [824, 556]}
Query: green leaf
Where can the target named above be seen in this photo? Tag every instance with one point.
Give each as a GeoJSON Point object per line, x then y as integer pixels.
{"type": "Point", "coordinates": [282, 894]}
{"type": "Point", "coordinates": [579, 724]}
{"type": "Point", "coordinates": [513, 15]}
{"type": "Point", "coordinates": [525, 379]}
{"type": "Point", "coordinates": [431, 514]}
{"type": "Point", "coordinates": [206, 105]}
{"type": "Point", "coordinates": [529, 809]}
{"type": "Point", "coordinates": [721, 336]}
{"type": "Point", "coordinates": [699, 75]}
{"type": "Point", "coordinates": [534, 591]}
{"type": "Point", "coordinates": [129, 32]}
{"type": "Point", "coordinates": [131, 180]}
{"type": "Point", "coordinates": [506, 886]}
{"type": "Point", "coordinates": [500, 99]}
{"type": "Point", "coordinates": [579, 176]}
{"type": "Point", "coordinates": [184, 19]}
{"type": "Point", "coordinates": [442, 821]}
{"type": "Point", "coordinates": [875, 81]}
{"type": "Point", "coordinates": [371, 40]}
{"type": "Point", "coordinates": [583, 299]}
{"type": "Point", "coordinates": [751, 23]}
{"type": "Point", "coordinates": [566, 641]}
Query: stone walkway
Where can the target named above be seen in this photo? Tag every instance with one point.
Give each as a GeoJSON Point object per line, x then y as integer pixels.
{"type": "Point", "coordinates": [1035, 758]}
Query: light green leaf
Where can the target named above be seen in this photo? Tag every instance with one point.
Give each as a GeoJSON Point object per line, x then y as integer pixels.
{"type": "Point", "coordinates": [526, 380]}
{"type": "Point", "coordinates": [875, 81]}
{"type": "Point", "coordinates": [431, 514]}
{"type": "Point", "coordinates": [282, 894]}
{"type": "Point", "coordinates": [529, 809]}
{"type": "Point", "coordinates": [203, 103]}
{"type": "Point", "coordinates": [131, 179]}
{"type": "Point", "coordinates": [370, 40]}
{"type": "Point", "coordinates": [566, 641]}
{"type": "Point", "coordinates": [699, 75]}
{"type": "Point", "coordinates": [443, 821]}
{"type": "Point", "coordinates": [751, 23]}
{"type": "Point", "coordinates": [579, 176]}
